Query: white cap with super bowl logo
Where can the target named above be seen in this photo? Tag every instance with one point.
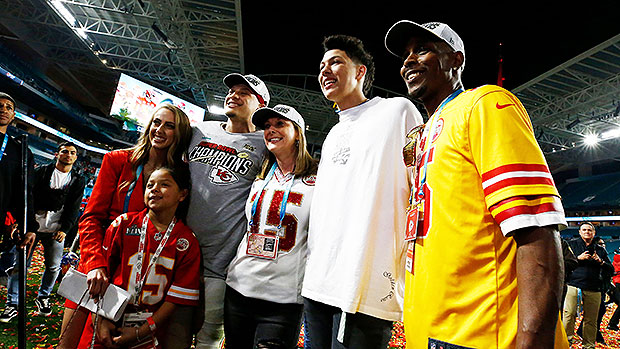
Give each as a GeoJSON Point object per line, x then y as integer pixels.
{"type": "Point", "coordinates": [252, 81]}
{"type": "Point", "coordinates": [401, 32]}
{"type": "Point", "coordinates": [284, 111]}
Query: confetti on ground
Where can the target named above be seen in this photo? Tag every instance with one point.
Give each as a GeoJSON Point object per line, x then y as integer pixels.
{"type": "Point", "coordinates": [43, 332]}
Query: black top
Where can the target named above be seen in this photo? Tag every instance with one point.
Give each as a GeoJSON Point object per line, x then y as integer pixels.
{"type": "Point", "coordinates": [589, 274]}
{"type": "Point", "coordinates": [12, 196]}
{"type": "Point", "coordinates": [67, 198]}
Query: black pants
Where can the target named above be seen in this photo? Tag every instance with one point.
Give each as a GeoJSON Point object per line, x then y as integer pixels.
{"type": "Point", "coordinates": [361, 331]}
{"type": "Point", "coordinates": [251, 322]}
{"type": "Point", "coordinates": [615, 318]}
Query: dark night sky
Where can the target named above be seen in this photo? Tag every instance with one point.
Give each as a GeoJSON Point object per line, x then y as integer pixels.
{"type": "Point", "coordinates": [284, 37]}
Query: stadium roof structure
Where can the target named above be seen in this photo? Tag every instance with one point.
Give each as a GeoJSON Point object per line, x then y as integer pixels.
{"type": "Point", "coordinates": [184, 46]}
{"type": "Point", "coordinates": [577, 100]}
{"type": "Point", "coordinates": [187, 46]}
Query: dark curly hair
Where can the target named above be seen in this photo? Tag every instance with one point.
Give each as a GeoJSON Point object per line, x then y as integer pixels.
{"type": "Point", "coordinates": [354, 48]}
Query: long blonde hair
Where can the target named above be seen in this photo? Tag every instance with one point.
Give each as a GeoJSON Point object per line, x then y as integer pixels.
{"type": "Point", "coordinates": [305, 164]}
{"type": "Point", "coordinates": [177, 152]}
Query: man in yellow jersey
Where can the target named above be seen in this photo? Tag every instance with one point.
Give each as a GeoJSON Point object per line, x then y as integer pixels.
{"type": "Point", "coordinates": [485, 265]}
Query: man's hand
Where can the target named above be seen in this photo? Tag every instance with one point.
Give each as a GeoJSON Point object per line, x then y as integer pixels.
{"type": "Point", "coordinates": [127, 336]}
{"type": "Point", "coordinates": [540, 275]}
{"type": "Point", "coordinates": [596, 258]}
{"type": "Point", "coordinates": [97, 281]}
{"type": "Point", "coordinates": [28, 240]}
{"type": "Point", "coordinates": [12, 231]}
{"type": "Point", "coordinates": [584, 256]}
{"type": "Point", "coordinates": [59, 236]}
{"type": "Point", "coordinates": [105, 331]}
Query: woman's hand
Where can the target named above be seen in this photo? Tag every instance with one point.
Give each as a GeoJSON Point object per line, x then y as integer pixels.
{"type": "Point", "coordinates": [97, 281]}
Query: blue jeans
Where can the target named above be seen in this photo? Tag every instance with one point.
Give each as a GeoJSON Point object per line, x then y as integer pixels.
{"type": "Point", "coordinates": [361, 331]}
{"type": "Point", "coordinates": [7, 260]}
{"type": "Point", "coordinates": [52, 252]}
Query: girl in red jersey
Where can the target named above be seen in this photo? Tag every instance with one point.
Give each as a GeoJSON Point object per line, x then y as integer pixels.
{"type": "Point", "coordinates": [120, 188]}
{"type": "Point", "coordinates": [144, 252]}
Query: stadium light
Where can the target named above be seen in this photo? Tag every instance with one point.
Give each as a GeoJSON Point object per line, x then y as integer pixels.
{"type": "Point", "coordinates": [615, 133]}
{"type": "Point", "coordinates": [71, 21]}
{"type": "Point", "coordinates": [44, 127]}
{"type": "Point", "coordinates": [82, 33]}
{"type": "Point", "coordinates": [214, 109]}
{"type": "Point", "coordinates": [64, 12]}
{"type": "Point", "coordinates": [593, 219]}
{"type": "Point", "coordinates": [591, 139]}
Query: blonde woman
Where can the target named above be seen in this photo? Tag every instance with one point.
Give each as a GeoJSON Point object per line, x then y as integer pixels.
{"type": "Point", "coordinates": [120, 188]}
{"type": "Point", "coordinates": [263, 305]}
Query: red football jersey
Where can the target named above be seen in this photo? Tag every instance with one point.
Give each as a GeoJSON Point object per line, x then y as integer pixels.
{"type": "Point", "coordinates": [164, 282]}
{"type": "Point", "coordinates": [174, 277]}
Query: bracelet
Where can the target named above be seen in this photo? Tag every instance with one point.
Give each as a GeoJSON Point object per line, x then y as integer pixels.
{"type": "Point", "coordinates": [137, 335]}
{"type": "Point", "coordinates": [152, 324]}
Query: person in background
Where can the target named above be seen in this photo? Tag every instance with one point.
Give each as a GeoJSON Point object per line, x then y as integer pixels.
{"type": "Point", "coordinates": [606, 289]}
{"type": "Point", "coordinates": [12, 199]}
{"type": "Point", "coordinates": [57, 195]}
{"type": "Point", "coordinates": [7, 252]}
{"type": "Point", "coordinates": [570, 263]}
{"type": "Point", "coordinates": [586, 279]}
{"type": "Point", "coordinates": [263, 306]}
{"type": "Point", "coordinates": [120, 189]}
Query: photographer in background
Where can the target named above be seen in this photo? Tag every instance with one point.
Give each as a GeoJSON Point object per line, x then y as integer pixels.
{"type": "Point", "coordinates": [593, 261]}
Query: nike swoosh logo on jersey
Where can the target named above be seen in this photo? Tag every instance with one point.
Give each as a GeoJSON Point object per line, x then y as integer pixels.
{"type": "Point", "coordinates": [502, 106]}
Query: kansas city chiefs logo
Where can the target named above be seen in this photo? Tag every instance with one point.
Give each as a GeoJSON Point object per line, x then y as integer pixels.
{"type": "Point", "coordinates": [221, 175]}
{"type": "Point", "coordinates": [309, 180]}
{"type": "Point", "coordinates": [227, 163]}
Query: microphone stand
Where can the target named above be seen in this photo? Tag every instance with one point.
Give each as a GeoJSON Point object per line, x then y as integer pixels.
{"type": "Point", "coordinates": [21, 304]}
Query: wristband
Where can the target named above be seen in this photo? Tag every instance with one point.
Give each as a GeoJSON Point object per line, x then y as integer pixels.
{"type": "Point", "coordinates": [151, 323]}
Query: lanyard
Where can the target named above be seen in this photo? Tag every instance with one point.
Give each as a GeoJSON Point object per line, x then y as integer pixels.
{"type": "Point", "coordinates": [141, 247]}
{"type": "Point", "coordinates": [429, 138]}
{"type": "Point", "coordinates": [4, 142]}
{"type": "Point", "coordinates": [131, 188]}
{"type": "Point", "coordinates": [260, 194]}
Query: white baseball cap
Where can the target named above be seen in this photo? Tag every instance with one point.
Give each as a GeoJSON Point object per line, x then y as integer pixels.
{"type": "Point", "coordinates": [283, 111]}
{"type": "Point", "coordinates": [252, 81]}
{"type": "Point", "coordinates": [402, 31]}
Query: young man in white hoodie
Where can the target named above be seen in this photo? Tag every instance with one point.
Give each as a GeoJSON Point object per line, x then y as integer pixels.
{"type": "Point", "coordinates": [354, 279]}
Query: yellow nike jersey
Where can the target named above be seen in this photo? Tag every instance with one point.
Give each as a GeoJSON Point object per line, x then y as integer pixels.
{"type": "Point", "coordinates": [486, 177]}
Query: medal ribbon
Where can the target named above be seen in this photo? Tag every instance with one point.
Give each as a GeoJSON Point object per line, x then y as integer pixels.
{"type": "Point", "coordinates": [131, 188]}
{"type": "Point", "coordinates": [4, 142]}
{"type": "Point", "coordinates": [429, 137]}
{"type": "Point", "coordinates": [260, 194]}
{"type": "Point", "coordinates": [141, 247]}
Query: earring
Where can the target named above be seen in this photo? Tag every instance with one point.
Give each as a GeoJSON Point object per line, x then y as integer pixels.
{"type": "Point", "coordinates": [297, 143]}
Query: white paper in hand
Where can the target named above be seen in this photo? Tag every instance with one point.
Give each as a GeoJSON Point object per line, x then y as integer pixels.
{"type": "Point", "coordinates": [74, 288]}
